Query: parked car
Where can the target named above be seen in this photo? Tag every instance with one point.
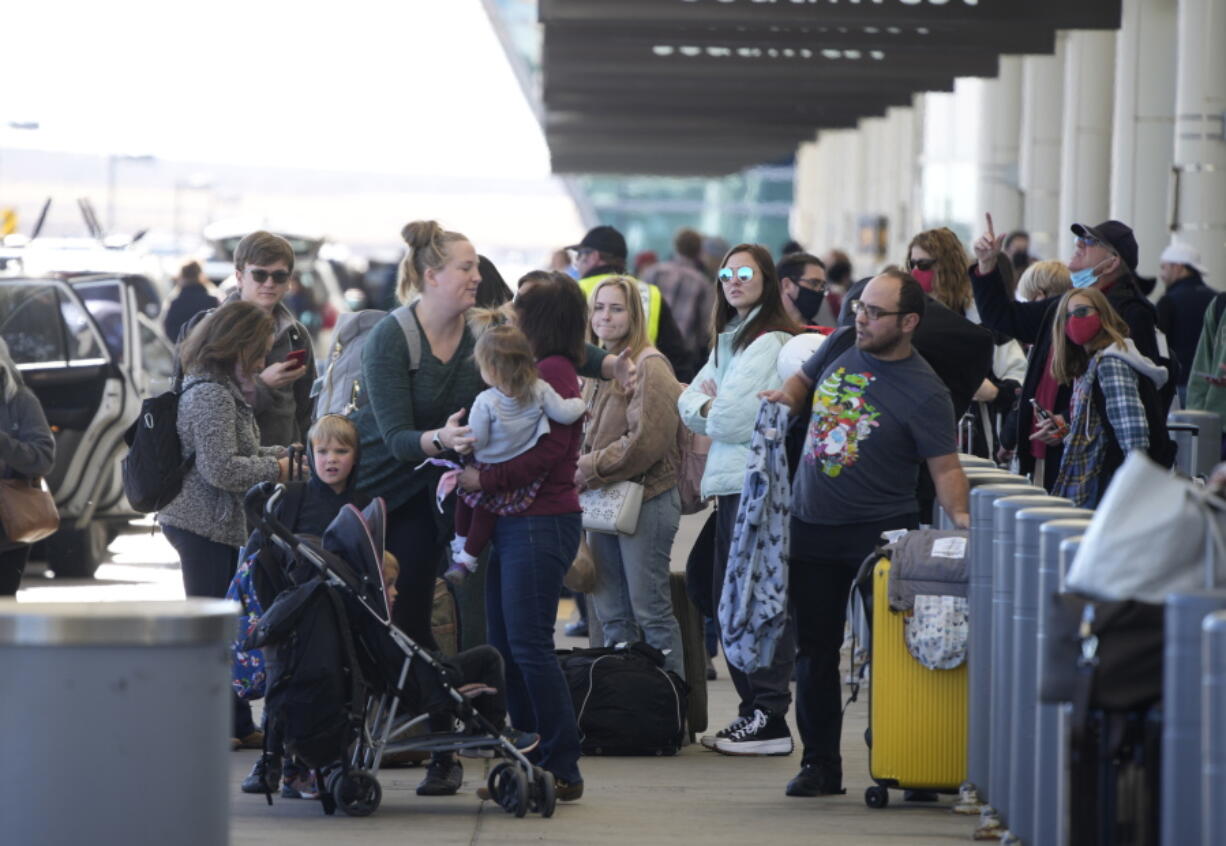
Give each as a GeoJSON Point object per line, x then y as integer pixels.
{"type": "Point", "coordinates": [90, 355]}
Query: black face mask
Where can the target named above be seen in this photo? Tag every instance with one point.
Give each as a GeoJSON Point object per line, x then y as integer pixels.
{"type": "Point", "coordinates": [1021, 260]}
{"type": "Point", "coordinates": [807, 302]}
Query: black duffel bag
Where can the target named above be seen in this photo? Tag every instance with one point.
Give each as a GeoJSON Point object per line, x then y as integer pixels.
{"type": "Point", "coordinates": [1102, 655]}
{"type": "Point", "coordinates": [626, 703]}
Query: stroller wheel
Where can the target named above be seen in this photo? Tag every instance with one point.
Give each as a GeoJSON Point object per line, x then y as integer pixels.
{"type": "Point", "coordinates": [544, 791]}
{"type": "Point", "coordinates": [509, 788]}
{"type": "Point", "coordinates": [522, 797]}
{"type": "Point", "coordinates": [497, 781]}
{"type": "Point", "coordinates": [357, 792]}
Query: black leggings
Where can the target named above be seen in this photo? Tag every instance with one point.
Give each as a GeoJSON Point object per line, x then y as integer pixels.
{"type": "Point", "coordinates": [12, 565]}
{"type": "Point", "coordinates": [415, 538]}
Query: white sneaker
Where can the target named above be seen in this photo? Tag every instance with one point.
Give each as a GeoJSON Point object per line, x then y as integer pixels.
{"type": "Point", "coordinates": [765, 734]}
{"type": "Point", "coordinates": [709, 740]}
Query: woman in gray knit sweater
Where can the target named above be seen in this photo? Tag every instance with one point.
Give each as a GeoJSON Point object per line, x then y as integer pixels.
{"type": "Point", "coordinates": [205, 523]}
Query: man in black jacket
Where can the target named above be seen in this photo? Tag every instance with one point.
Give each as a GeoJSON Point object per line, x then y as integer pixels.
{"type": "Point", "coordinates": [1105, 258]}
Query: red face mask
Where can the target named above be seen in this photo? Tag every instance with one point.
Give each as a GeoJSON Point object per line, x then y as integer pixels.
{"type": "Point", "coordinates": [924, 277]}
{"type": "Point", "coordinates": [1082, 330]}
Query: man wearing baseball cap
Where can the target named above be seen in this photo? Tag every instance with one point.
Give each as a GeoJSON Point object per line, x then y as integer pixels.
{"type": "Point", "coordinates": [601, 254]}
{"type": "Point", "coordinates": [1181, 311]}
{"type": "Point", "coordinates": [1104, 256]}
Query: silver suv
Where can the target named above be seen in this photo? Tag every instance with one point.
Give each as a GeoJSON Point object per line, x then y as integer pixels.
{"type": "Point", "coordinates": [90, 354]}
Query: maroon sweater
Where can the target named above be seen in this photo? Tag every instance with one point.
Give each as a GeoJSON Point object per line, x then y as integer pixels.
{"type": "Point", "coordinates": [555, 456]}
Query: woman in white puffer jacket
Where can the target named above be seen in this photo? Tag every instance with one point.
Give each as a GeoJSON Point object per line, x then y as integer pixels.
{"type": "Point", "coordinates": [750, 327]}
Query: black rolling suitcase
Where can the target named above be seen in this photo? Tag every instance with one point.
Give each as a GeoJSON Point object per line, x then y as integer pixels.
{"type": "Point", "coordinates": [690, 621]}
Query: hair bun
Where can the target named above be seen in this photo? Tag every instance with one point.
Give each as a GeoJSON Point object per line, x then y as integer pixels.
{"type": "Point", "coordinates": [420, 233]}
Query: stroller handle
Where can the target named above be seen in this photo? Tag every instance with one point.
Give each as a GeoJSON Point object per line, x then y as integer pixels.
{"type": "Point", "coordinates": [260, 501]}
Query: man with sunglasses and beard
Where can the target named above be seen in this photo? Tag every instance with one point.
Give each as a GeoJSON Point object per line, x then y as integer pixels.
{"type": "Point", "coordinates": [281, 392]}
{"type": "Point", "coordinates": [1105, 257]}
{"type": "Point", "coordinates": [879, 411]}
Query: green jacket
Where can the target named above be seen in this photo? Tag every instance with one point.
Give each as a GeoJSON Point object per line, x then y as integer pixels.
{"type": "Point", "coordinates": [1210, 355]}
{"type": "Point", "coordinates": [401, 405]}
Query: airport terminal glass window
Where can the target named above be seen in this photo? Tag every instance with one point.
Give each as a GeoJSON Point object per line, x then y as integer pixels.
{"type": "Point", "coordinates": [30, 323]}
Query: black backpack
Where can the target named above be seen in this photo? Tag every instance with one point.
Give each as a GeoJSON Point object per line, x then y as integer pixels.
{"type": "Point", "coordinates": [154, 467]}
{"type": "Point", "coordinates": [315, 699]}
{"type": "Point", "coordinates": [625, 701]}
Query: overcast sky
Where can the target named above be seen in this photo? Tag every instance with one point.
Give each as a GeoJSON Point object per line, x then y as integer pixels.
{"type": "Point", "coordinates": [406, 87]}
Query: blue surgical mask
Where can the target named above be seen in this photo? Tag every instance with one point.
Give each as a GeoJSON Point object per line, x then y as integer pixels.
{"type": "Point", "coordinates": [1083, 278]}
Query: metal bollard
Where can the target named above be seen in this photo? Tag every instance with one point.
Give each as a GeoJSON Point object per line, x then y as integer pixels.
{"type": "Point", "coordinates": [979, 658]}
{"type": "Point", "coordinates": [1005, 540]}
{"type": "Point", "coordinates": [1181, 713]}
{"type": "Point", "coordinates": [1198, 435]}
{"type": "Point", "coordinates": [977, 477]}
{"type": "Point", "coordinates": [1023, 663]}
{"type": "Point", "coordinates": [1048, 739]}
{"type": "Point", "coordinates": [1213, 718]}
{"type": "Point", "coordinates": [119, 731]}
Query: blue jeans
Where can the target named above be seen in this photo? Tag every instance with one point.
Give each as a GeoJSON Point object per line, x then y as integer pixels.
{"type": "Point", "coordinates": [632, 592]}
{"type": "Point", "coordinates": [524, 581]}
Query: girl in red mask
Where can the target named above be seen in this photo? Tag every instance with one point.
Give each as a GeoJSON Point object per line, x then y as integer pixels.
{"type": "Point", "coordinates": [1112, 385]}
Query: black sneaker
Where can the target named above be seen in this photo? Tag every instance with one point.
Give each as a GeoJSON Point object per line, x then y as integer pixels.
{"type": "Point", "coordinates": [443, 777]}
{"type": "Point", "coordinates": [709, 740]}
{"type": "Point", "coordinates": [814, 781]}
{"type": "Point", "coordinates": [264, 776]}
{"type": "Point", "coordinates": [764, 734]}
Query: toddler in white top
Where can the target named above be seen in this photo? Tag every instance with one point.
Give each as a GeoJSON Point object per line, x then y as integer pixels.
{"type": "Point", "coordinates": [507, 419]}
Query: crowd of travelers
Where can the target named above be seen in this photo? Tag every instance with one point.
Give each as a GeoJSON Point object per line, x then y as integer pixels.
{"type": "Point", "coordinates": [581, 378]}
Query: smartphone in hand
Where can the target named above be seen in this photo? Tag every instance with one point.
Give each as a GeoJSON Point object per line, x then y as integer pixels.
{"type": "Point", "coordinates": [298, 357]}
{"type": "Point", "coordinates": [1043, 413]}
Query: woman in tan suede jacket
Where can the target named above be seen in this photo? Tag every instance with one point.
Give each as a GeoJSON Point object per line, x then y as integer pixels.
{"type": "Point", "coordinates": [634, 436]}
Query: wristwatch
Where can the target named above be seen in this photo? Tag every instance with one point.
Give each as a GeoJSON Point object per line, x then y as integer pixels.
{"type": "Point", "coordinates": [438, 442]}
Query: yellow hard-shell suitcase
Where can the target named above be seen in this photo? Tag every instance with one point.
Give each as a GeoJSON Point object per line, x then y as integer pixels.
{"type": "Point", "coordinates": [917, 717]}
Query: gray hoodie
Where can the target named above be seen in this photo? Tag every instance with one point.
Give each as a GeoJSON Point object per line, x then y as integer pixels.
{"type": "Point", "coordinates": [1138, 362]}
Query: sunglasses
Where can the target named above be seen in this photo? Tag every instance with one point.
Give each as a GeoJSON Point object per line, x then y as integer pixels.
{"type": "Point", "coordinates": [921, 264]}
{"type": "Point", "coordinates": [279, 277]}
{"type": "Point", "coordinates": [744, 273]}
{"type": "Point", "coordinates": [1081, 311]}
{"type": "Point", "coordinates": [873, 312]}
{"type": "Point", "coordinates": [1087, 242]}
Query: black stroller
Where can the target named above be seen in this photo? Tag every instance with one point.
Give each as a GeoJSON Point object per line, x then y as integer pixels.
{"type": "Point", "coordinates": [339, 671]}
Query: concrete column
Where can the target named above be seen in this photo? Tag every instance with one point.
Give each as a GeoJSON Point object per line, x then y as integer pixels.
{"type": "Point", "coordinates": [1000, 103]}
{"type": "Point", "coordinates": [875, 204]}
{"type": "Point", "coordinates": [806, 179]}
{"type": "Point", "coordinates": [848, 155]}
{"type": "Point", "coordinates": [1143, 141]}
{"type": "Point", "coordinates": [905, 139]}
{"type": "Point", "coordinates": [1200, 133]}
{"type": "Point", "coordinates": [1085, 160]}
{"type": "Point", "coordinates": [1039, 156]}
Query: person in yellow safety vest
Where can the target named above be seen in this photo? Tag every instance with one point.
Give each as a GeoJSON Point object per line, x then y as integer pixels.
{"type": "Point", "coordinates": [602, 253]}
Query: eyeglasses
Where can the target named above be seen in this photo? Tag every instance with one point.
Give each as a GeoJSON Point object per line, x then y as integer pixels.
{"type": "Point", "coordinates": [1081, 311]}
{"type": "Point", "coordinates": [811, 282]}
{"type": "Point", "coordinates": [921, 264]}
{"type": "Point", "coordinates": [279, 277]}
{"type": "Point", "coordinates": [874, 312]}
{"type": "Point", "coordinates": [744, 273]}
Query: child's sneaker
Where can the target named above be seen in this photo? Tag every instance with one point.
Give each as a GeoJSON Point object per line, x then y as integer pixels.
{"type": "Point", "coordinates": [461, 565]}
{"type": "Point", "coordinates": [300, 785]}
{"type": "Point", "coordinates": [457, 546]}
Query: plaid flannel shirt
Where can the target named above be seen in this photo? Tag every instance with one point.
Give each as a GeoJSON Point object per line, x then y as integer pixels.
{"type": "Point", "coordinates": [1084, 445]}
